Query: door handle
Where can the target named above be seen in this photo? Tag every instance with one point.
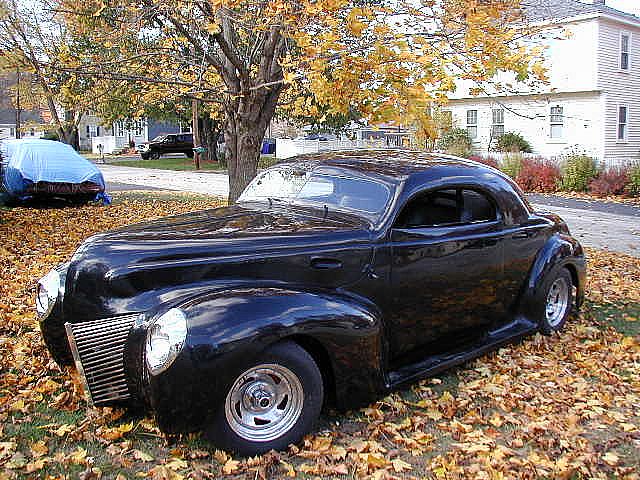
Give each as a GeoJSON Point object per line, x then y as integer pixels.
{"type": "Point", "coordinates": [322, 263]}
{"type": "Point", "coordinates": [520, 235]}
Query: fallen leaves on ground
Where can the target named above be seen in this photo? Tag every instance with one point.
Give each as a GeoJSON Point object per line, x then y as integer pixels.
{"type": "Point", "coordinates": [551, 407]}
{"type": "Point", "coordinates": [588, 197]}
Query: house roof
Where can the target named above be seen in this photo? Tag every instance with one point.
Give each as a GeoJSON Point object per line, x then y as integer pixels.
{"type": "Point", "coordinates": [540, 10]}
{"type": "Point", "coordinates": [8, 116]}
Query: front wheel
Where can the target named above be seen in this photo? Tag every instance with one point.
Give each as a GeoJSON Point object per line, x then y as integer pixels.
{"type": "Point", "coordinates": [555, 301]}
{"type": "Point", "coordinates": [271, 404]}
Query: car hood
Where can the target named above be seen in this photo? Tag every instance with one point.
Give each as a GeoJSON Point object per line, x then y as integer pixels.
{"type": "Point", "coordinates": [235, 244]}
{"type": "Point", "coordinates": [231, 228]}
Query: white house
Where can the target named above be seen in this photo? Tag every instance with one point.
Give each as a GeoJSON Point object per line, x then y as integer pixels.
{"type": "Point", "coordinates": [93, 131]}
{"type": "Point", "coordinates": [592, 103]}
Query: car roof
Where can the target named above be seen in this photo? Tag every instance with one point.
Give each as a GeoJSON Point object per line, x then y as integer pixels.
{"type": "Point", "coordinates": [394, 164]}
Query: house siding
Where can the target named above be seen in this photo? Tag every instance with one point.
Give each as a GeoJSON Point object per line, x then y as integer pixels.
{"type": "Point", "coordinates": [619, 88]}
{"type": "Point", "coordinates": [530, 117]}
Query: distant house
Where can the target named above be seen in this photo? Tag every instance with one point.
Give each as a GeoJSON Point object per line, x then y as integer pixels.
{"type": "Point", "coordinates": [29, 122]}
{"type": "Point", "coordinates": [592, 103]}
{"type": "Point", "coordinates": [122, 133]}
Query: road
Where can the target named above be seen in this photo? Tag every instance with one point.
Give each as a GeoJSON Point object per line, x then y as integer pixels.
{"type": "Point", "coordinates": [596, 224]}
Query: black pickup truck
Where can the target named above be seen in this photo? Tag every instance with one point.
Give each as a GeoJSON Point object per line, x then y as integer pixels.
{"type": "Point", "coordinates": [171, 143]}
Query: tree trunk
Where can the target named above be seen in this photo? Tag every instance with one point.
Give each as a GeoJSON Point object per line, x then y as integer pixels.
{"type": "Point", "coordinates": [209, 135]}
{"type": "Point", "coordinates": [242, 152]}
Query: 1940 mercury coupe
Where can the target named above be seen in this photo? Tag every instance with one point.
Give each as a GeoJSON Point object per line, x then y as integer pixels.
{"type": "Point", "coordinates": [336, 277]}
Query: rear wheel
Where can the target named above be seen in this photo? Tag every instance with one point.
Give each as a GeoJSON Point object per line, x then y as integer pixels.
{"type": "Point", "coordinates": [271, 404]}
{"type": "Point", "coordinates": [555, 301]}
{"type": "Point", "coordinates": [154, 155]}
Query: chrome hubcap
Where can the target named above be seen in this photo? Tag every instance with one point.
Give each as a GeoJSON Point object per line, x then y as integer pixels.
{"type": "Point", "coordinates": [264, 403]}
{"type": "Point", "coordinates": [557, 302]}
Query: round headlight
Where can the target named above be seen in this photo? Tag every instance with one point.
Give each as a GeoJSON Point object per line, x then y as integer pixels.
{"type": "Point", "coordinates": [48, 288]}
{"type": "Point", "coordinates": [165, 339]}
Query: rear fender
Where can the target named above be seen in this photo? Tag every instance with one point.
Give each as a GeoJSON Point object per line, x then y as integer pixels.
{"type": "Point", "coordinates": [560, 251]}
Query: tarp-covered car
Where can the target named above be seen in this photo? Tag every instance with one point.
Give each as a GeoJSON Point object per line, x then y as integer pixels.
{"type": "Point", "coordinates": [46, 168]}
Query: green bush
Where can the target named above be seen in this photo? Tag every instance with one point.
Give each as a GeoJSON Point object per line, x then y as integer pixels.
{"type": "Point", "coordinates": [633, 187]}
{"type": "Point", "coordinates": [511, 164]}
{"type": "Point", "coordinates": [267, 161]}
{"type": "Point", "coordinates": [513, 142]}
{"type": "Point", "coordinates": [576, 173]}
{"type": "Point", "coordinates": [51, 135]}
{"type": "Point", "coordinates": [456, 142]}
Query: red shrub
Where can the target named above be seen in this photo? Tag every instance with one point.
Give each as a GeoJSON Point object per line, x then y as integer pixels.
{"type": "Point", "coordinates": [492, 162]}
{"type": "Point", "coordinates": [538, 175]}
{"type": "Point", "coordinates": [612, 181]}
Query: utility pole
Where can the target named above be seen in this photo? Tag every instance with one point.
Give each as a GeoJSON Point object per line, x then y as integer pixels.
{"type": "Point", "coordinates": [18, 126]}
{"type": "Point", "coordinates": [196, 132]}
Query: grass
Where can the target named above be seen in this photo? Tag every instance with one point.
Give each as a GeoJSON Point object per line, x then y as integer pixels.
{"type": "Point", "coordinates": [168, 163]}
{"type": "Point", "coordinates": [184, 163]}
{"type": "Point", "coordinates": [624, 317]}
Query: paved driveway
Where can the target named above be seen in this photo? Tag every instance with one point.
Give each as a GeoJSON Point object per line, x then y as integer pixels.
{"type": "Point", "coordinates": [596, 224]}
{"type": "Point", "coordinates": [210, 183]}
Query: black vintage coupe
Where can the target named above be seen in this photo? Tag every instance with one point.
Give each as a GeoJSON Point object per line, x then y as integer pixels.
{"type": "Point", "coordinates": [334, 278]}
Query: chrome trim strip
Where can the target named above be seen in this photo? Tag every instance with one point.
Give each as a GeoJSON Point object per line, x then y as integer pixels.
{"type": "Point", "coordinates": [76, 359]}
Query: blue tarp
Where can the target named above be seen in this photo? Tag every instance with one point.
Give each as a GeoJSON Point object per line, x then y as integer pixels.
{"type": "Point", "coordinates": [30, 161]}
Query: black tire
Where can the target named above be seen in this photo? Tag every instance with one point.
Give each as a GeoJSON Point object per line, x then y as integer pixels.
{"type": "Point", "coordinates": [189, 154]}
{"type": "Point", "coordinates": [154, 155]}
{"type": "Point", "coordinates": [145, 156]}
{"type": "Point", "coordinates": [554, 321]}
{"type": "Point", "coordinates": [295, 360]}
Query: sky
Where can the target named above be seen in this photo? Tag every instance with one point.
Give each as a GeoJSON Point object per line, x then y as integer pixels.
{"type": "Point", "coordinates": [630, 6]}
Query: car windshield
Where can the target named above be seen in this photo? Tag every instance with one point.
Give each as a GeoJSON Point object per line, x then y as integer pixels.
{"type": "Point", "coordinates": [341, 190]}
{"type": "Point", "coordinates": [159, 138]}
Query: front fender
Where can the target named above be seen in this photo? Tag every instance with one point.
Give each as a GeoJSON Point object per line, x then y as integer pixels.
{"type": "Point", "coordinates": [228, 331]}
{"type": "Point", "coordinates": [560, 251]}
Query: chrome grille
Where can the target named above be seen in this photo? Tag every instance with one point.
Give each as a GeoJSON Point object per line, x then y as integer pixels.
{"type": "Point", "coordinates": [98, 352]}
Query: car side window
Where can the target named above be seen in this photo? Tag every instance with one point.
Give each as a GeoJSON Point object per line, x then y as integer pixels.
{"type": "Point", "coordinates": [447, 207]}
{"type": "Point", "coordinates": [477, 207]}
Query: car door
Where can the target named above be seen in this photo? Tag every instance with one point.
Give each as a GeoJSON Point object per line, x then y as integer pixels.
{"type": "Point", "coordinates": [446, 268]}
{"type": "Point", "coordinates": [169, 144]}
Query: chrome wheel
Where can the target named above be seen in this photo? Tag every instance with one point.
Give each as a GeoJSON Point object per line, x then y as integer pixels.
{"type": "Point", "coordinates": [557, 302]}
{"type": "Point", "coordinates": [264, 403]}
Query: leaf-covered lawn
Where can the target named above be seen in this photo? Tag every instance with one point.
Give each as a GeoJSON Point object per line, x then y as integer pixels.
{"type": "Point", "coordinates": [551, 407]}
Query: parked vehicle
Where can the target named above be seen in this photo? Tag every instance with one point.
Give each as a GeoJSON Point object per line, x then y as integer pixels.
{"type": "Point", "coordinates": [45, 169]}
{"type": "Point", "coordinates": [162, 144]}
{"type": "Point", "coordinates": [338, 276]}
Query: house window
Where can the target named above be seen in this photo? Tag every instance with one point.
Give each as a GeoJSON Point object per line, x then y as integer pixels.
{"type": "Point", "coordinates": [118, 127]}
{"type": "Point", "coordinates": [138, 126]}
{"type": "Point", "coordinates": [97, 130]}
{"type": "Point", "coordinates": [472, 123]}
{"type": "Point", "coordinates": [497, 129]}
{"type": "Point", "coordinates": [625, 44]}
{"type": "Point", "coordinates": [557, 122]}
{"type": "Point", "coordinates": [623, 123]}
{"type": "Point", "coordinates": [12, 132]}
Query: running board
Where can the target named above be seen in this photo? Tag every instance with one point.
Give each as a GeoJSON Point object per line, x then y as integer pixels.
{"type": "Point", "coordinates": [430, 366]}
